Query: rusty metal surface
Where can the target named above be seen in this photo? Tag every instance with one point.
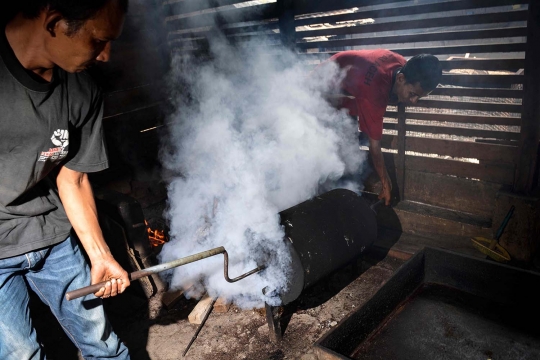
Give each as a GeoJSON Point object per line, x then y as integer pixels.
{"type": "Point", "coordinates": [443, 305]}
{"type": "Point", "coordinates": [444, 323]}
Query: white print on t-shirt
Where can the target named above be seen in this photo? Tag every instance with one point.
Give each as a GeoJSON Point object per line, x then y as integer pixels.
{"type": "Point", "coordinates": [60, 138]}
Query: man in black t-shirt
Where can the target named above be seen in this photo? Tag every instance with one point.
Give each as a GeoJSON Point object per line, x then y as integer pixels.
{"type": "Point", "coordinates": [50, 138]}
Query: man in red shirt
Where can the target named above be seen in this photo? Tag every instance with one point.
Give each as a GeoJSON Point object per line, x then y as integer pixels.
{"type": "Point", "coordinates": [372, 80]}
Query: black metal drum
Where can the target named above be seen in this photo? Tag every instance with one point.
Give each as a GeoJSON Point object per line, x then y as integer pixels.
{"type": "Point", "coordinates": [324, 234]}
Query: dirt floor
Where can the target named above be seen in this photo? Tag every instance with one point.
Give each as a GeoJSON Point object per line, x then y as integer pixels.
{"type": "Point", "coordinates": [153, 331]}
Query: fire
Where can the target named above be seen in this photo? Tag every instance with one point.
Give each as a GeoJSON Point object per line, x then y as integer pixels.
{"type": "Point", "coordinates": [155, 236]}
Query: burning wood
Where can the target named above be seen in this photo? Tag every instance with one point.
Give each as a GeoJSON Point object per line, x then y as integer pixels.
{"type": "Point", "coordinates": [155, 236]}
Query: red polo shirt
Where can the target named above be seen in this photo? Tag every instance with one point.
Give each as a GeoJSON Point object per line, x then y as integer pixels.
{"type": "Point", "coordinates": [369, 78]}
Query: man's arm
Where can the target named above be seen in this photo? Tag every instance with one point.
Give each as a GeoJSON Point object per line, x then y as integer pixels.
{"type": "Point", "coordinates": [378, 162]}
{"type": "Point", "coordinates": [78, 200]}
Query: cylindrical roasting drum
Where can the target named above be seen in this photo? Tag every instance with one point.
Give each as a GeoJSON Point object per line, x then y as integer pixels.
{"type": "Point", "coordinates": [324, 234]}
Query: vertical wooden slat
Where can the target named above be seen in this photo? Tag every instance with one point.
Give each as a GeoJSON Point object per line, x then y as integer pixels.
{"type": "Point", "coordinates": [401, 128]}
{"type": "Point", "coordinates": [286, 23]}
{"type": "Point", "coordinates": [530, 116]}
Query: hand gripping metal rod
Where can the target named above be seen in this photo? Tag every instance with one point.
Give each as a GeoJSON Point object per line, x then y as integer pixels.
{"type": "Point", "coordinates": [166, 266]}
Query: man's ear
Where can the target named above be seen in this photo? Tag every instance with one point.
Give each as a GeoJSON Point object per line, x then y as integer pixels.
{"type": "Point", "coordinates": [400, 78]}
{"type": "Point", "coordinates": [52, 22]}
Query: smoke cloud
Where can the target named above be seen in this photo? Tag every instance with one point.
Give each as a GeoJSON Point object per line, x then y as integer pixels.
{"type": "Point", "coordinates": [251, 136]}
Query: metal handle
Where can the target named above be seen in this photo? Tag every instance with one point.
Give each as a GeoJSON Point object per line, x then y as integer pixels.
{"type": "Point", "coordinates": [504, 223]}
{"type": "Point", "coordinates": [166, 266]}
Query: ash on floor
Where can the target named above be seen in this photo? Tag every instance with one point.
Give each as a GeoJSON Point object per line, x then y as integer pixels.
{"type": "Point", "coordinates": [152, 331]}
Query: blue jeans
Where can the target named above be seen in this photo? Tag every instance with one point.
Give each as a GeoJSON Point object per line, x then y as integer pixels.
{"type": "Point", "coordinates": [50, 273]}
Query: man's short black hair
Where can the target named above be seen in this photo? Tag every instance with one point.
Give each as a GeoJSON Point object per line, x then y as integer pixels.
{"type": "Point", "coordinates": [76, 12]}
{"type": "Point", "coordinates": [425, 69]}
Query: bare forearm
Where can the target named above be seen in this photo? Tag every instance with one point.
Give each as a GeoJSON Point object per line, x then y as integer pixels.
{"type": "Point", "coordinates": [78, 200]}
{"type": "Point", "coordinates": [378, 163]}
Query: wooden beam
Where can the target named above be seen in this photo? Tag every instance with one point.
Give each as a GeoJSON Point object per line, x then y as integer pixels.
{"type": "Point", "coordinates": [479, 92]}
{"type": "Point", "coordinates": [415, 9]}
{"type": "Point", "coordinates": [434, 22]}
{"type": "Point", "coordinates": [530, 124]}
{"type": "Point", "coordinates": [495, 173]}
{"type": "Point", "coordinates": [182, 44]}
{"type": "Point", "coordinates": [476, 133]}
{"type": "Point", "coordinates": [310, 6]}
{"type": "Point", "coordinates": [185, 7]}
{"type": "Point", "coordinates": [480, 48]}
{"type": "Point", "coordinates": [222, 17]}
{"type": "Point", "coordinates": [198, 33]}
{"type": "Point", "coordinates": [483, 64]}
{"type": "Point", "coordinates": [134, 121]}
{"type": "Point", "coordinates": [467, 195]}
{"type": "Point", "coordinates": [287, 29]}
{"type": "Point", "coordinates": [469, 119]}
{"type": "Point", "coordinates": [139, 97]}
{"type": "Point", "coordinates": [437, 50]}
{"type": "Point", "coordinates": [481, 80]}
{"type": "Point", "coordinates": [170, 298]}
{"type": "Point", "coordinates": [465, 105]}
{"type": "Point", "coordinates": [203, 51]}
{"type": "Point", "coordinates": [497, 142]}
{"type": "Point", "coordinates": [425, 37]}
{"type": "Point", "coordinates": [460, 149]}
{"type": "Point", "coordinates": [198, 312]}
{"type": "Point", "coordinates": [262, 37]}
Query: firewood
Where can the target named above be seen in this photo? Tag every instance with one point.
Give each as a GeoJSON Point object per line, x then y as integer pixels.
{"type": "Point", "coordinates": [170, 298]}
{"type": "Point", "coordinates": [221, 305]}
{"type": "Point", "coordinates": [196, 316]}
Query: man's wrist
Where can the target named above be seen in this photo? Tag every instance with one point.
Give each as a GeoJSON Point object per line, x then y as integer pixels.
{"type": "Point", "coordinates": [98, 253]}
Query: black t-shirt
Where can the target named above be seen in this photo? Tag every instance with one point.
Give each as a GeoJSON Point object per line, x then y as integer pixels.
{"type": "Point", "coordinates": [42, 125]}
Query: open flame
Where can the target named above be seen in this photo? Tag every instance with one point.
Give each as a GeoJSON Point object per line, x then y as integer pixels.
{"type": "Point", "coordinates": [155, 236]}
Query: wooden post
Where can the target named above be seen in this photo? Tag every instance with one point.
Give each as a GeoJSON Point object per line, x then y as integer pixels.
{"type": "Point", "coordinates": [530, 115]}
{"type": "Point", "coordinates": [400, 166]}
{"type": "Point", "coordinates": [286, 23]}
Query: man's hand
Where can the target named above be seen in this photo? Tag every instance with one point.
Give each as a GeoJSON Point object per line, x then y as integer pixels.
{"type": "Point", "coordinates": [386, 191]}
{"type": "Point", "coordinates": [107, 269]}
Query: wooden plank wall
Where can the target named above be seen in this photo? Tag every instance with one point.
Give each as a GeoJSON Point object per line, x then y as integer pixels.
{"type": "Point", "coordinates": [189, 22]}
{"type": "Point", "coordinates": [459, 145]}
{"type": "Point", "coordinates": [134, 94]}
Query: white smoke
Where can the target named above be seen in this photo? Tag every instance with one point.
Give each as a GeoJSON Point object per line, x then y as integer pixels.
{"type": "Point", "coordinates": [255, 137]}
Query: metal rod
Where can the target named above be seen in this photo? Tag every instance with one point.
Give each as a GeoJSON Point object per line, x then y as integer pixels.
{"type": "Point", "coordinates": [206, 315]}
{"type": "Point", "coordinates": [226, 269]}
{"type": "Point", "coordinates": [167, 266]}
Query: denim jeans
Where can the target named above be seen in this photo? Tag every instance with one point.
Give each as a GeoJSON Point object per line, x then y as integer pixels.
{"type": "Point", "coordinates": [50, 273]}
